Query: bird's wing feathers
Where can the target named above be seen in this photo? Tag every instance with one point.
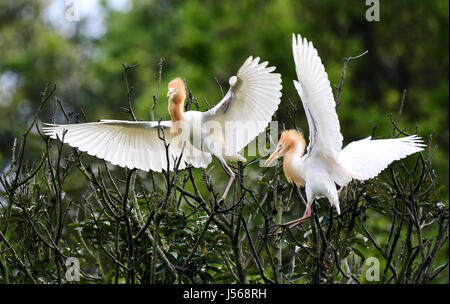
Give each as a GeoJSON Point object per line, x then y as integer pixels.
{"type": "Point", "coordinates": [366, 158]}
{"type": "Point", "coordinates": [129, 144]}
{"type": "Point", "coordinates": [249, 105]}
{"type": "Point", "coordinates": [317, 97]}
{"type": "Point", "coordinates": [311, 122]}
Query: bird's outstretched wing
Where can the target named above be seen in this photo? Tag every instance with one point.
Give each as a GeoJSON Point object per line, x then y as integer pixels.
{"type": "Point", "coordinates": [129, 144]}
{"type": "Point", "coordinates": [315, 92]}
{"type": "Point", "coordinates": [249, 104]}
{"type": "Point", "coordinates": [366, 158]}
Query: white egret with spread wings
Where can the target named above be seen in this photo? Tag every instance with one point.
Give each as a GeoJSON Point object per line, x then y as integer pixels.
{"type": "Point", "coordinates": [325, 163]}
{"type": "Point", "coordinates": [194, 136]}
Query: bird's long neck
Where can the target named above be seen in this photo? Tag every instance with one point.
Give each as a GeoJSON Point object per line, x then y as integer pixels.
{"type": "Point", "coordinates": [176, 107]}
{"type": "Point", "coordinates": [292, 162]}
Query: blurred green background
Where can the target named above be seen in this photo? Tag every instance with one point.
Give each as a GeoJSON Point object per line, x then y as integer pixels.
{"type": "Point", "coordinates": [202, 41]}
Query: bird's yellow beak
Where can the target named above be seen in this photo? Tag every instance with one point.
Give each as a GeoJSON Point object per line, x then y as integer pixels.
{"type": "Point", "coordinates": [273, 157]}
{"type": "Point", "coordinates": [171, 91]}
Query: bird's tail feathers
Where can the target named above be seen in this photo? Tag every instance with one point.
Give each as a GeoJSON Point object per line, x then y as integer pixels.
{"type": "Point", "coordinates": [338, 209]}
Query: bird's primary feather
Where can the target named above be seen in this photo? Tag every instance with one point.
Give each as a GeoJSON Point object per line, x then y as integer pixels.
{"type": "Point", "coordinates": [366, 158]}
{"type": "Point", "coordinates": [317, 97]}
{"type": "Point", "coordinates": [249, 105]}
{"type": "Point", "coordinates": [129, 144]}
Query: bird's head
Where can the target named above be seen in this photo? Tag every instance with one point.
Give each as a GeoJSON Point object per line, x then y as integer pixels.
{"type": "Point", "coordinates": [290, 141]}
{"type": "Point", "coordinates": [176, 90]}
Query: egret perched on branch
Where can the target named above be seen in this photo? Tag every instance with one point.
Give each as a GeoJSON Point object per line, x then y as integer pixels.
{"type": "Point", "coordinates": [326, 163]}
{"type": "Point", "coordinates": [193, 136]}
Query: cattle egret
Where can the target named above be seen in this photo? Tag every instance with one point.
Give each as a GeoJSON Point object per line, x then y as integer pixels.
{"type": "Point", "coordinates": [326, 163]}
{"type": "Point", "coordinates": [222, 131]}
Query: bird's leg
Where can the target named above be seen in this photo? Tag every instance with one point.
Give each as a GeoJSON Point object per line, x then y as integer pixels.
{"type": "Point", "coordinates": [298, 221]}
{"type": "Point", "coordinates": [230, 181]}
{"type": "Point", "coordinates": [340, 189]}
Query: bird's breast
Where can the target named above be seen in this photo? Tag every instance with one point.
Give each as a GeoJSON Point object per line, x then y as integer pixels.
{"type": "Point", "coordinates": [293, 171]}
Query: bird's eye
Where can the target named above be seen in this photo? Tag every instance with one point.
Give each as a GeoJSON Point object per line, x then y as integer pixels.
{"type": "Point", "coordinates": [171, 90]}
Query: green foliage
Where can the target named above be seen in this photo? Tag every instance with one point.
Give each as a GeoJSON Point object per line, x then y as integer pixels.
{"type": "Point", "coordinates": [134, 227]}
{"type": "Point", "coordinates": [202, 41]}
